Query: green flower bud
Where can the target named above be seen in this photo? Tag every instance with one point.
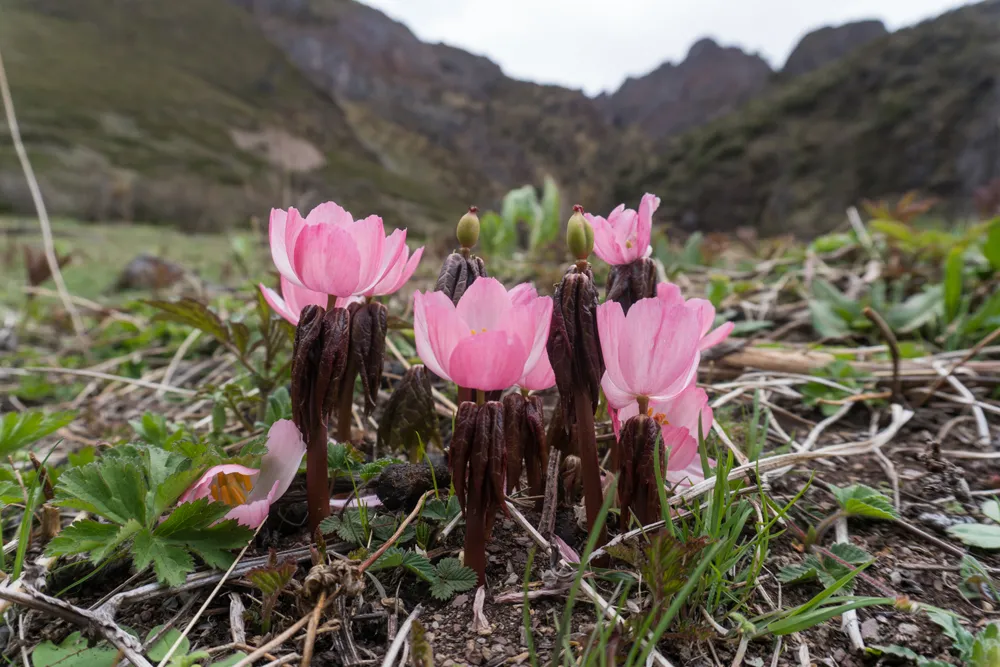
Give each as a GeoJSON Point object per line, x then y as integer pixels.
{"type": "Point", "coordinates": [579, 234]}
{"type": "Point", "coordinates": [468, 228]}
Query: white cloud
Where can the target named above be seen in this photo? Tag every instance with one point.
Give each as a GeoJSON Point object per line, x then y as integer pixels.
{"type": "Point", "coordinates": [596, 44]}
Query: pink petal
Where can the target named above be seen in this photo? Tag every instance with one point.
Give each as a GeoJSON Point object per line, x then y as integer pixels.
{"type": "Point", "coordinates": [487, 361]}
{"type": "Point", "coordinates": [669, 294]}
{"type": "Point", "coordinates": [394, 254]}
{"type": "Point", "coordinates": [485, 306]}
{"type": "Point", "coordinates": [298, 298]}
{"type": "Point", "coordinates": [660, 354]}
{"type": "Point", "coordinates": [534, 333]}
{"type": "Point", "coordinates": [681, 447]}
{"type": "Point", "coordinates": [254, 513]}
{"type": "Point", "coordinates": [437, 329]}
{"type": "Point", "coordinates": [329, 213]}
{"type": "Point", "coordinates": [617, 397]}
{"type": "Point", "coordinates": [369, 239]}
{"type": "Point", "coordinates": [327, 260]}
{"type": "Point", "coordinates": [647, 207]}
{"type": "Point", "coordinates": [345, 301]}
{"type": "Point", "coordinates": [278, 467]}
{"type": "Point", "coordinates": [625, 234]}
{"type": "Point", "coordinates": [277, 234]}
{"type": "Point", "coordinates": [610, 326]}
{"type": "Point", "coordinates": [716, 336]}
{"type": "Point", "coordinates": [689, 476]}
{"type": "Point", "coordinates": [604, 244]}
{"type": "Point", "coordinates": [540, 377]}
{"type": "Point", "coordinates": [398, 274]}
{"type": "Point", "coordinates": [522, 294]}
{"type": "Point", "coordinates": [685, 410]}
{"type": "Point", "coordinates": [566, 551]}
{"type": "Point", "coordinates": [278, 305]}
{"type": "Point", "coordinates": [200, 489]}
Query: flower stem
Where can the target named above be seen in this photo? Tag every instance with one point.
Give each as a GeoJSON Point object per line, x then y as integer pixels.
{"type": "Point", "coordinates": [480, 397]}
{"type": "Point", "coordinates": [587, 439]}
{"type": "Point", "coordinates": [317, 475]}
{"type": "Point", "coordinates": [345, 403]}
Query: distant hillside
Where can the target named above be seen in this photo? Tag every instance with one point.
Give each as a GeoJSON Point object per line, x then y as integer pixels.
{"type": "Point", "coordinates": [710, 82]}
{"type": "Point", "coordinates": [918, 109]}
{"type": "Point", "coordinates": [829, 44]}
{"type": "Point", "coordinates": [178, 111]}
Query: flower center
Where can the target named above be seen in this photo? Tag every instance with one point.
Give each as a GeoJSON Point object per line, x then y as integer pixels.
{"type": "Point", "coordinates": [658, 417]}
{"type": "Point", "coordinates": [230, 488]}
{"type": "Point", "coordinates": [474, 332]}
{"type": "Point", "coordinates": [629, 243]}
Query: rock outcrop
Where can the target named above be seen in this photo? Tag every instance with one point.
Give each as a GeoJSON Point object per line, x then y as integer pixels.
{"type": "Point", "coordinates": [826, 45]}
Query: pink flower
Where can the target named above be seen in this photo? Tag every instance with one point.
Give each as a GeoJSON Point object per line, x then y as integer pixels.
{"type": "Point", "coordinates": [296, 298]}
{"type": "Point", "coordinates": [670, 294]}
{"type": "Point", "coordinates": [251, 492]}
{"type": "Point", "coordinates": [538, 373]}
{"type": "Point", "coordinates": [624, 236]}
{"type": "Point", "coordinates": [484, 341]}
{"type": "Point", "coordinates": [331, 253]}
{"type": "Point", "coordinates": [652, 352]}
{"type": "Point", "coordinates": [679, 419]}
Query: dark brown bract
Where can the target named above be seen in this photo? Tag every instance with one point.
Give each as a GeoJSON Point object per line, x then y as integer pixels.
{"type": "Point", "coordinates": [458, 272]}
{"type": "Point", "coordinates": [637, 492]}
{"type": "Point", "coordinates": [478, 461]}
{"type": "Point", "coordinates": [573, 346]}
{"type": "Point", "coordinates": [318, 363]}
{"type": "Point", "coordinates": [627, 283]}
{"type": "Point", "coordinates": [367, 349]}
{"type": "Point", "coordinates": [524, 434]}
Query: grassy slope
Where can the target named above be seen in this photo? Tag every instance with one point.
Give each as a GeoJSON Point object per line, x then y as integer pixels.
{"type": "Point", "coordinates": [155, 87]}
{"type": "Point", "coordinates": [908, 111]}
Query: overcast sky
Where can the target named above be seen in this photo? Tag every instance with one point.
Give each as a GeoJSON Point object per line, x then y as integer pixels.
{"type": "Point", "coordinates": [596, 44]}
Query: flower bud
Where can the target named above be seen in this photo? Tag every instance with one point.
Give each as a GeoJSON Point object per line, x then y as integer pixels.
{"type": "Point", "coordinates": [468, 228]}
{"type": "Point", "coordinates": [579, 234]}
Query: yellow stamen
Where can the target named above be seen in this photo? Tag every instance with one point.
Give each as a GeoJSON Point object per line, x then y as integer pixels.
{"type": "Point", "coordinates": [231, 488]}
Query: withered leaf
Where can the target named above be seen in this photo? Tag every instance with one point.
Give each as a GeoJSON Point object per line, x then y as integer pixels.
{"type": "Point", "coordinates": [409, 418]}
{"type": "Point", "coordinates": [627, 283]}
{"type": "Point", "coordinates": [637, 492]}
{"type": "Point", "coordinates": [461, 445]}
{"type": "Point", "coordinates": [368, 329]}
{"type": "Point", "coordinates": [573, 345]}
{"type": "Point", "coordinates": [458, 272]}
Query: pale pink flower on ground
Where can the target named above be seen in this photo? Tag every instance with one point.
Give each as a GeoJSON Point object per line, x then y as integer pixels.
{"type": "Point", "coordinates": [538, 373]}
{"type": "Point", "coordinates": [293, 299]}
{"type": "Point", "coordinates": [249, 491]}
{"type": "Point", "coordinates": [484, 341]}
{"type": "Point", "coordinates": [331, 253]}
{"type": "Point", "coordinates": [652, 352]}
{"type": "Point", "coordinates": [679, 419]}
{"type": "Point", "coordinates": [670, 294]}
{"type": "Point", "coordinates": [624, 236]}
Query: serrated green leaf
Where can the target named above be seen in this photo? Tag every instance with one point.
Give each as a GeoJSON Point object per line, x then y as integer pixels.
{"type": "Point", "coordinates": [272, 579]}
{"type": "Point", "coordinates": [19, 429]}
{"type": "Point", "coordinates": [441, 590]}
{"type": "Point", "coordinates": [392, 558]}
{"type": "Point", "coordinates": [230, 661]}
{"type": "Point", "coordinates": [371, 470]}
{"type": "Point", "coordinates": [798, 573]}
{"type": "Point", "coordinates": [193, 526]}
{"type": "Point", "coordinates": [984, 536]}
{"type": "Point", "coordinates": [348, 526]}
{"type": "Point", "coordinates": [418, 565]}
{"type": "Point", "coordinates": [961, 638]}
{"type": "Point", "coordinates": [83, 536]}
{"type": "Point", "coordinates": [194, 314]}
{"type": "Point", "coordinates": [73, 652]}
{"type": "Point", "coordinates": [863, 501]}
{"type": "Point", "coordinates": [903, 652]}
{"type": "Point", "coordinates": [459, 577]}
{"type": "Point", "coordinates": [114, 489]}
{"type": "Point", "coordinates": [826, 322]}
{"type": "Point", "coordinates": [854, 555]}
{"type": "Point", "coordinates": [171, 563]}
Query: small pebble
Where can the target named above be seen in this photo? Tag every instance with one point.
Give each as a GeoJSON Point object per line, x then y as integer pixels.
{"type": "Point", "coordinates": [908, 630]}
{"type": "Point", "coordinates": [487, 653]}
{"type": "Point", "coordinates": [869, 629]}
{"type": "Point", "coordinates": [460, 600]}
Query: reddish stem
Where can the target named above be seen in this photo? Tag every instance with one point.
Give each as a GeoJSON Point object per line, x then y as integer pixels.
{"type": "Point", "coordinates": [465, 394]}
{"type": "Point", "coordinates": [593, 494]}
{"type": "Point", "coordinates": [475, 545]}
{"type": "Point", "coordinates": [317, 476]}
{"type": "Point", "coordinates": [345, 404]}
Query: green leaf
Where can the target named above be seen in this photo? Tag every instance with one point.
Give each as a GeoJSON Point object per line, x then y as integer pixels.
{"type": "Point", "coordinates": [863, 501]}
{"type": "Point", "coordinates": [193, 526]}
{"type": "Point", "coordinates": [903, 652]}
{"type": "Point", "coordinates": [953, 283]}
{"type": "Point", "coordinates": [370, 471]}
{"type": "Point", "coordinates": [19, 429]}
{"type": "Point", "coordinates": [441, 511]}
{"type": "Point", "coordinates": [279, 406]}
{"type": "Point", "coordinates": [192, 313]}
{"type": "Point", "coordinates": [170, 562]}
{"type": "Point", "coordinates": [418, 565]}
{"type": "Point", "coordinates": [239, 333]}
{"type": "Point", "coordinates": [348, 527]}
{"type": "Point", "coordinates": [343, 458]}
{"type": "Point", "coordinates": [272, 579]}
{"type": "Point", "coordinates": [113, 488]}
{"type": "Point", "coordinates": [799, 573]}
{"type": "Point", "coordinates": [458, 577]}
{"type": "Point", "coordinates": [991, 508]}
{"type": "Point", "coordinates": [917, 311]}
{"type": "Point", "coordinates": [991, 247]}
{"type": "Point", "coordinates": [230, 661]}
{"type": "Point", "coordinates": [826, 322]}
{"type": "Point", "coordinates": [984, 536]}
{"type": "Point", "coordinates": [100, 539]}
{"type": "Point", "coordinates": [158, 651]}
{"type": "Point", "coordinates": [73, 652]}
{"type": "Point", "coordinates": [960, 638]}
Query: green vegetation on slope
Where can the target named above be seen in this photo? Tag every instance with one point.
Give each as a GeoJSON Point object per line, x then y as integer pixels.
{"type": "Point", "coordinates": [914, 110]}
{"type": "Point", "coordinates": [128, 108]}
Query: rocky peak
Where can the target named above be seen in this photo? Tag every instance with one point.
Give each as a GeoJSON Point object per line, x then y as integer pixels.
{"type": "Point", "coordinates": [711, 81]}
{"type": "Point", "coordinates": [831, 43]}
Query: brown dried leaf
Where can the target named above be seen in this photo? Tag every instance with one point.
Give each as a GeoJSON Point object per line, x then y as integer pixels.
{"type": "Point", "coordinates": [461, 446]}
{"type": "Point", "coordinates": [368, 329]}
{"type": "Point", "coordinates": [627, 283]}
{"type": "Point", "coordinates": [409, 418]}
{"type": "Point", "coordinates": [513, 424]}
{"type": "Point", "coordinates": [458, 272]}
